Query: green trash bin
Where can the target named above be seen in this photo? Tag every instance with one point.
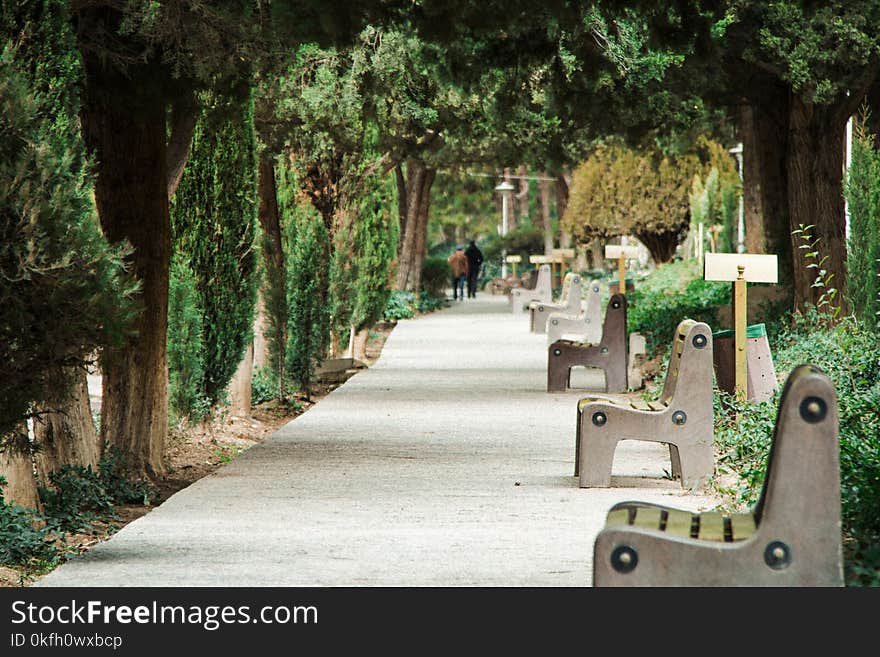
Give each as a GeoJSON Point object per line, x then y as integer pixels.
{"type": "Point", "coordinates": [761, 378]}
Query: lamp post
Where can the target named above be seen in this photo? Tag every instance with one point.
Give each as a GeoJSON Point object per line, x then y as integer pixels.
{"type": "Point", "coordinates": [505, 187]}
{"type": "Point", "coordinates": [741, 224]}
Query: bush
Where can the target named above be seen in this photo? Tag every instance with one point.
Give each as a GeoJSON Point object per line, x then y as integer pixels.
{"type": "Point", "coordinates": [76, 499]}
{"type": "Point", "coordinates": [847, 354]}
{"type": "Point", "coordinates": [436, 276]}
{"type": "Point", "coordinates": [674, 292]}
{"type": "Point", "coordinates": [400, 306]}
{"type": "Point", "coordinates": [24, 538]}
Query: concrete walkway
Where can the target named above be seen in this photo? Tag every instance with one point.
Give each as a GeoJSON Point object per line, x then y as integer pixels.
{"type": "Point", "coordinates": [445, 464]}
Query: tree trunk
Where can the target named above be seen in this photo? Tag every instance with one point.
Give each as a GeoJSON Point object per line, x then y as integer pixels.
{"type": "Point", "coordinates": [513, 206]}
{"type": "Point", "coordinates": [765, 194]}
{"type": "Point", "coordinates": [67, 436]}
{"type": "Point", "coordinates": [413, 224]}
{"type": "Point", "coordinates": [275, 285]}
{"type": "Point", "coordinates": [240, 387]}
{"type": "Point", "coordinates": [21, 486]}
{"type": "Point", "coordinates": [547, 223]}
{"type": "Point", "coordinates": [815, 197]}
{"type": "Point", "coordinates": [522, 195]}
{"type": "Point", "coordinates": [359, 345]}
{"type": "Point", "coordinates": [124, 126]}
{"type": "Point", "coordinates": [184, 113]}
{"type": "Point", "coordinates": [662, 246]}
{"type": "Point", "coordinates": [563, 181]}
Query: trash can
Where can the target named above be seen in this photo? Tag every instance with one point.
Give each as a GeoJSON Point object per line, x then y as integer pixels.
{"type": "Point", "coordinates": [761, 378]}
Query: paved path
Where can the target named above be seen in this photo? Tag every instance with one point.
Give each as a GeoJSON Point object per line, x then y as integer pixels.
{"type": "Point", "coordinates": [444, 464]}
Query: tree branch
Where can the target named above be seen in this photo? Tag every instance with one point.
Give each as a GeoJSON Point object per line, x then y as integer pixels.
{"type": "Point", "coordinates": [184, 113]}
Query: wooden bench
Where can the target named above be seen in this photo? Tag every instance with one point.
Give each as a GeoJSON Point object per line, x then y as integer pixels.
{"type": "Point", "coordinates": [682, 417]}
{"type": "Point", "coordinates": [609, 354]}
{"type": "Point", "coordinates": [569, 303]}
{"type": "Point", "coordinates": [584, 327]}
{"type": "Point", "coordinates": [520, 297]}
{"type": "Point", "coordinates": [792, 537]}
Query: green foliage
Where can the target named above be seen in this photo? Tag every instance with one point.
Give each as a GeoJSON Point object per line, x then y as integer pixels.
{"type": "Point", "coordinates": [24, 537]}
{"type": "Point", "coordinates": [624, 191]}
{"type": "Point", "coordinates": [436, 276]}
{"type": "Point", "coordinates": [75, 499]}
{"type": "Point", "coordinates": [64, 292]}
{"type": "Point", "coordinates": [862, 191]}
{"type": "Point", "coordinates": [847, 353]}
{"type": "Point", "coordinates": [264, 385]}
{"type": "Point", "coordinates": [400, 306]}
{"type": "Point", "coordinates": [673, 292]}
{"type": "Point", "coordinates": [309, 311]}
{"type": "Point", "coordinates": [185, 353]}
{"type": "Point", "coordinates": [404, 305]}
{"type": "Point", "coordinates": [523, 240]}
{"type": "Point", "coordinates": [815, 260]}
{"type": "Point", "coordinates": [213, 220]}
{"type": "Point", "coordinates": [118, 483]}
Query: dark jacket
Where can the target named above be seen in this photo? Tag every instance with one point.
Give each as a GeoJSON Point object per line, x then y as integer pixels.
{"type": "Point", "coordinates": [475, 258]}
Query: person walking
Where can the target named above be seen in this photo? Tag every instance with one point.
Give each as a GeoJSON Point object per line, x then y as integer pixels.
{"type": "Point", "coordinates": [459, 263]}
{"type": "Point", "coordinates": [475, 259]}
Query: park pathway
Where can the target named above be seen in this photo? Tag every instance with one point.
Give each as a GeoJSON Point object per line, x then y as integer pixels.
{"type": "Point", "coordinates": [445, 464]}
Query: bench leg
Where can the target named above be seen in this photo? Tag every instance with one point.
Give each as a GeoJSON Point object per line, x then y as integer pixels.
{"type": "Point", "coordinates": [615, 376]}
{"type": "Point", "coordinates": [596, 455]}
{"type": "Point", "coordinates": [675, 459]}
{"type": "Point", "coordinates": [558, 371]}
{"type": "Point", "coordinates": [697, 464]}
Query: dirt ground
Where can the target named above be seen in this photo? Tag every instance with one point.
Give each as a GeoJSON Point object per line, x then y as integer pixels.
{"type": "Point", "coordinates": [193, 452]}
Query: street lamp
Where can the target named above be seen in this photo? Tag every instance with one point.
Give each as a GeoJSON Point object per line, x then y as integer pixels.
{"type": "Point", "coordinates": [741, 225]}
{"type": "Point", "coordinates": [505, 188]}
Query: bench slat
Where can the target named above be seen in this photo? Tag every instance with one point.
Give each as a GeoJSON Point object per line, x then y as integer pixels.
{"type": "Point", "coordinates": [711, 526]}
{"type": "Point", "coordinates": [647, 517]}
{"type": "Point", "coordinates": [658, 406]}
{"type": "Point", "coordinates": [678, 523]}
{"type": "Point", "coordinates": [641, 405]}
{"type": "Point", "coordinates": [742, 525]}
{"type": "Point", "coordinates": [617, 517]}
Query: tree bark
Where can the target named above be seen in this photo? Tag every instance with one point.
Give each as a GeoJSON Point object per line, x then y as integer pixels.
{"type": "Point", "coordinates": [124, 126]}
{"type": "Point", "coordinates": [21, 486]}
{"type": "Point", "coordinates": [67, 436]}
{"type": "Point", "coordinates": [546, 221]}
{"type": "Point", "coordinates": [275, 267]}
{"type": "Point", "coordinates": [513, 206]}
{"type": "Point", "coordinates": [563, 181]}
{"type": "Point", "coordinates": [240, 387]}
{"type": "Point", "coordinates": [184, 113]}
{"type": "Point", "coordinates": [411, 247]}
{"type": "Point", "coordinates": [815, 197]}
{"type": "Point", "coordinates": [765, 194]}
{"type": "Point", "coordinates": [359, 345]}
{"type": "Point", "coordinates": [662, 246]}
{"type": "Point", "coordinates": [522, 195]}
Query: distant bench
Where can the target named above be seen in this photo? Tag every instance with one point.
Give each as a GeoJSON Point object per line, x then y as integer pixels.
{"type": "Point", "coordinates": [792, 537]}
{"type": "Point", "coordinates": [569, 303]}
{"type": "Point", "coordinates": [609, 354]}
{"type": "Point", "coordinates": [585, 326]}
{"type": "Point", "coordinates": [521, 296]}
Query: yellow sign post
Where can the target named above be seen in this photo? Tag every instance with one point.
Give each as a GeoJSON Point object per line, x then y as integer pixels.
{"type": "Point", "coordinates": [621, 253]}
{"type": "Point", "coordinates": [741, 268]}
{"type": "Point", "coordinates": [514, 260]}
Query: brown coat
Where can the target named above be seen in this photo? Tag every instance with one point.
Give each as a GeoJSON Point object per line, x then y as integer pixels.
{"type": "Point", "coordinates": [459, 263]}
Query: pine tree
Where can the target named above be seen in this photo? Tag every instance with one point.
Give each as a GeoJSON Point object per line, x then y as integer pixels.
{"type": "Point", "coordinates": [213, 221]}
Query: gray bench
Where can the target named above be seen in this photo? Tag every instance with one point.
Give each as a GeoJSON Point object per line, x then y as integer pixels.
{"type": "Point", "coordinates": [792, 537]}
{"type": "Point", "coordinates": [609, 354]}
{"type": "Point", "coordinates": [682, 417]}
{"type": "Point", "coordinates": [520, 297]}
{"type": "Point", "coordinates": [583, 327]}
{"type": "Point", "coordinates": [569, 303]}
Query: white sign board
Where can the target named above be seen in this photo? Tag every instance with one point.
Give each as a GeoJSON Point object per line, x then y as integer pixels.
{"type": "Point", "coordinates": [758, 268]}
{"type": "Point", "coordinates": [565, 253]}
{"type": "Point", "coordinates": [514, 258]}
{"type": "Point", "coordinates": [616, 250]}
{"type": "Point", "coordinates": [540, 259]}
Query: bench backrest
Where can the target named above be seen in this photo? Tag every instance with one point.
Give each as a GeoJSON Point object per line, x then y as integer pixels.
{"type": "Point", "coordinates": [543, 286]}
{"type": "Point", "coordinates": [801, 493]}
{"type": "Point", "coordinates": [614, 324]}
{"type": "Point", "coordinates": [690, 359]}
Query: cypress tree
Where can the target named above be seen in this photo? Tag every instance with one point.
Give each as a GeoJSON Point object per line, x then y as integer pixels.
{"type": "Point", "coordinates": [213, 225]}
